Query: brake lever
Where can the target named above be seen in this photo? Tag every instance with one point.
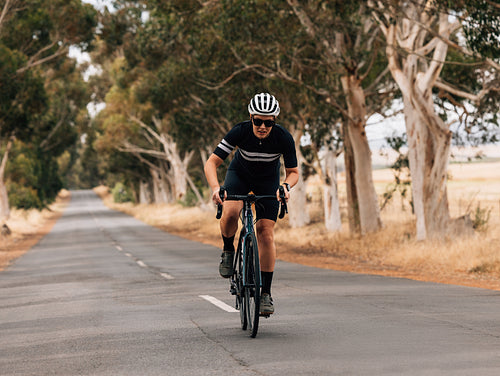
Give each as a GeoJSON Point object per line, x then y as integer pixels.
{"type": "Point", "coordinates": [283, 208]}
{"type": "Point", "coordinates": [222, 194]}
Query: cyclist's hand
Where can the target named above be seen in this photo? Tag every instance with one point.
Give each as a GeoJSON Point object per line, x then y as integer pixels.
{"type": "Point", "coordinates": [287, 194]}
{"type": "Point", "coordinates": [216, 196]}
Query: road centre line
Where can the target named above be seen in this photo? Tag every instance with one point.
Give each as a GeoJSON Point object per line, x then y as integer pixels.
{"type": "Point", "coordinates": [119, 248]}
{"type": "Point", "coordinates": [142, 264]}
{"type": "Point", "coordinates": [216, 302]}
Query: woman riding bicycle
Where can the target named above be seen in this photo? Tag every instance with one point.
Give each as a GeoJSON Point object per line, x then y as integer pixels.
{"type": "Point", "coordinates": [255, 167]}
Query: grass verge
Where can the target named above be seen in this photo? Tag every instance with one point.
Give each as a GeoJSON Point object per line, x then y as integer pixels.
{"type": "Point", "coordinates": [461, 260]}
{"type": "Point", "coordinates": [28, 227]}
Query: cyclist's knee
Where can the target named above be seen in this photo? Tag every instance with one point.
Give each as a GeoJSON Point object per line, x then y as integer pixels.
{"type": "Point", "coordinates": [230, 215]}
{"type": "Point", "coordinates": [265, 230]}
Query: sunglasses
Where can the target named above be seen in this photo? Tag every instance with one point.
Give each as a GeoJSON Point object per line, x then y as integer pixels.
{"type": "Point", "coordinates": [267, 123]}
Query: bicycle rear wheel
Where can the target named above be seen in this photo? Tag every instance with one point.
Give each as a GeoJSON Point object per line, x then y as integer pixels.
{"type": "Point", "coordinates": [252, 286]}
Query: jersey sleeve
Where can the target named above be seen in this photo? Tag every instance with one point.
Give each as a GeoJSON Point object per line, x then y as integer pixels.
{"type": "Point", "coordinates": [229, 142]}
{"type": "Point", "coordinates": [289, 153]}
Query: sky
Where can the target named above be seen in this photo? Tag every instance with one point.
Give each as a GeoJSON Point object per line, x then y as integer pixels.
{"type": "Point", "coordinates": [98, 4]}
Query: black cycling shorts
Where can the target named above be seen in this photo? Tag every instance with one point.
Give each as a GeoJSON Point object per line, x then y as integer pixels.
{"type": "Point", "coordinates": [237, 184]}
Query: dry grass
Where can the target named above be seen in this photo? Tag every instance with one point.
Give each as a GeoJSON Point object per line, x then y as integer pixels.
{"type": "Point", "coordinates": [468, 260]}
{"type": "Point", "coordinates": [471, 260]}
{"type": "Point", "coordinates": [28, 227]}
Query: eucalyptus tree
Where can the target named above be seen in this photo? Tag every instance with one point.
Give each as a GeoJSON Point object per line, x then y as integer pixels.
{"type": "Point", "coordinates": [419, 36]}
{"type": "Point", "coordinates": [35, 37]}
{"type": "Point", "coordinates": [346, 42]}
{"type": "Point", "coordinates": [332, 51]}
{"type": "Point", "coordinates": [301, 46]}
{"type": "Point", "coordinates": [151, 99]}
{"type": "Point", "coordinates": [241, 38]}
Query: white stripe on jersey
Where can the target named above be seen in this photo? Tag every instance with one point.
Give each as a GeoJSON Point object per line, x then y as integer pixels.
{"type": "Point", "coordinates": [226, 146]}
{"type": "Point", "coordinates": [259, 157]}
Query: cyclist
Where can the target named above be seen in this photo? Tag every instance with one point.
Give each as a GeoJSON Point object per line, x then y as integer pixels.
{"type": "Point", "coordinates": [255, 167]}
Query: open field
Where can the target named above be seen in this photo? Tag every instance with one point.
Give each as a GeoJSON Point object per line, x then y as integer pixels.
{"type": "Point", "coordinates": [472, 260]}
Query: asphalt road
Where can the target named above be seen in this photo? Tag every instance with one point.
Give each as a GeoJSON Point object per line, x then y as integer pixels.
{"type": "Point", "coordinates": [104, 294]}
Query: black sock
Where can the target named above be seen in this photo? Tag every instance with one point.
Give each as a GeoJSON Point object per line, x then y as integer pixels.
{"type": "Point", "coordinates": [267, 280]}
{"type": "Point", "coordinates": [228, 243]}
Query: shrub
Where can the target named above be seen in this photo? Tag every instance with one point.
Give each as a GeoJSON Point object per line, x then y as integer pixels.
{"type": "Point", "coordinates": [24, 197]}
{"type": "Point", "coordinates": [480, 219]}
{"type": "Point", "coordinates": [121, 193]}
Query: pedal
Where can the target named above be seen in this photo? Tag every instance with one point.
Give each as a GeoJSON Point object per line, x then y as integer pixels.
{"type": "Point", "coordinates": [232, 288]}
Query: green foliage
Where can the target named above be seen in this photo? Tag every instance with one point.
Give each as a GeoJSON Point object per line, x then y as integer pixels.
{"type": "Point", "coordinates": [42, 92]}
{"type": "Point", "coordinates": [194, 65]}
{"type": "Point", "coordinates": [473, 125]}
{"type": "Point", "coordinates": [189, 200]}
{"type": "Point", "coordinates": [482, 27]}
{"type": "Point", "coordinates": [122, 193]}
{"type": "Point", "coordinates": [401, 170]}
{"type": "Point", "coordinates": [31, 172]}
{"type": "Point", "coordinates": [22, 96]}
{"type": "Point", "coordinates": [22, 197]}
{"type": "Point", "coordinates": [481, 218]}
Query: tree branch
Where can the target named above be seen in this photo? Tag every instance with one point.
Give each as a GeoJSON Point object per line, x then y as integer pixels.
{"type": "Point", "coordinates": [4, 13]}
{"type": "Point", "coordinates": [44, 143]}
{"type": "Point", "coordinates": [143, 125]}
{"type": "Point", "coordinates": [128, 147]}
{"type": "Point", "coordinates": [208, 86]}
{"type": "Point", "coordinates": [378, 79]}
{"type": "Point", "coordinates": [6, 156]}
{"type": "Point", "coordinates": [442, 85]}
{"type": "Point", "coordinates": [311, 30]}
{"type": "Point", "coordinates": [32, 63]}
{"type": "Point", "coordinates": [493, 64]}
{"type": "Point", "coordinates": [439, 55]}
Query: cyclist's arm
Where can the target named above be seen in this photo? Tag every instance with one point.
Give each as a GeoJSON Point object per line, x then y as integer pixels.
{"type": "Point", "coordinates": [211, 166]}
{"type": "Point", "coordinates": [291, 177]}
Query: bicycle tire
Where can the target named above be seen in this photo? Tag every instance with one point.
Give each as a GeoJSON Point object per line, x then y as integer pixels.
{"type": "Point", "coordinates": [240, 301]}
{"type": "Point", "coordinates": [252, 287]}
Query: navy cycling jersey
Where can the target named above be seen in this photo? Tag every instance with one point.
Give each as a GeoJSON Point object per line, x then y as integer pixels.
{"type": "Point", "coordinates": [258, 157]}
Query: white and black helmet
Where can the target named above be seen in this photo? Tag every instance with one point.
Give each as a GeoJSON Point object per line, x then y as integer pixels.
{"type": "Point", "coordinates": [264, 104]}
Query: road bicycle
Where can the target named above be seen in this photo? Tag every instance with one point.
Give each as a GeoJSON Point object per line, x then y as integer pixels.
{"type": "Point", "coordinates": [245, 283]}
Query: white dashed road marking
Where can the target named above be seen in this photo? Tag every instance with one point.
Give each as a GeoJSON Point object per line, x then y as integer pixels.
{"type": "Point", "coordinates": [166, 276]}
{"type": "Point", "coordinates": [141, 264]}
{"type": "Point", "coordinates": [216, 302]}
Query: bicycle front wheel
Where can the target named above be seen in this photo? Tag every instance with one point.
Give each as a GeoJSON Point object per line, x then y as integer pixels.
{"type": "Point", "coordinates": [252, 284]}
{"type": "Point", "coordinates": [240, 291]}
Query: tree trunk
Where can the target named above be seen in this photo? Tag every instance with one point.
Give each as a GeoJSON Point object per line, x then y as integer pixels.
{"type": "Point", "coordinates": [428, 155]}
{"type": "Point", "coordinates": [350, 181]}
{"type": "Point", "coordinates": [4, 198]}
{"type": "Point", "coordinates": [161, 189]}
{"type": "Point", "coordinates": [4, 203]}
{"type": "Point", "coordinates": [179, 175]}
{"type": "Point", "coordinates": [144, 193]}
{"type": "Point", "coordinates": [369, 213]}
{"type": "Point", "coordinates": [298, 215]}
{"type": "Point", "coordinates": [429, 138]}
{"type": "Point", "coordinates": [330, 193]}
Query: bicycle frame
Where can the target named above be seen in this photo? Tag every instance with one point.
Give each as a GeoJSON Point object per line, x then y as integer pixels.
{"type": "Point", "coordinates": [247, 222]}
